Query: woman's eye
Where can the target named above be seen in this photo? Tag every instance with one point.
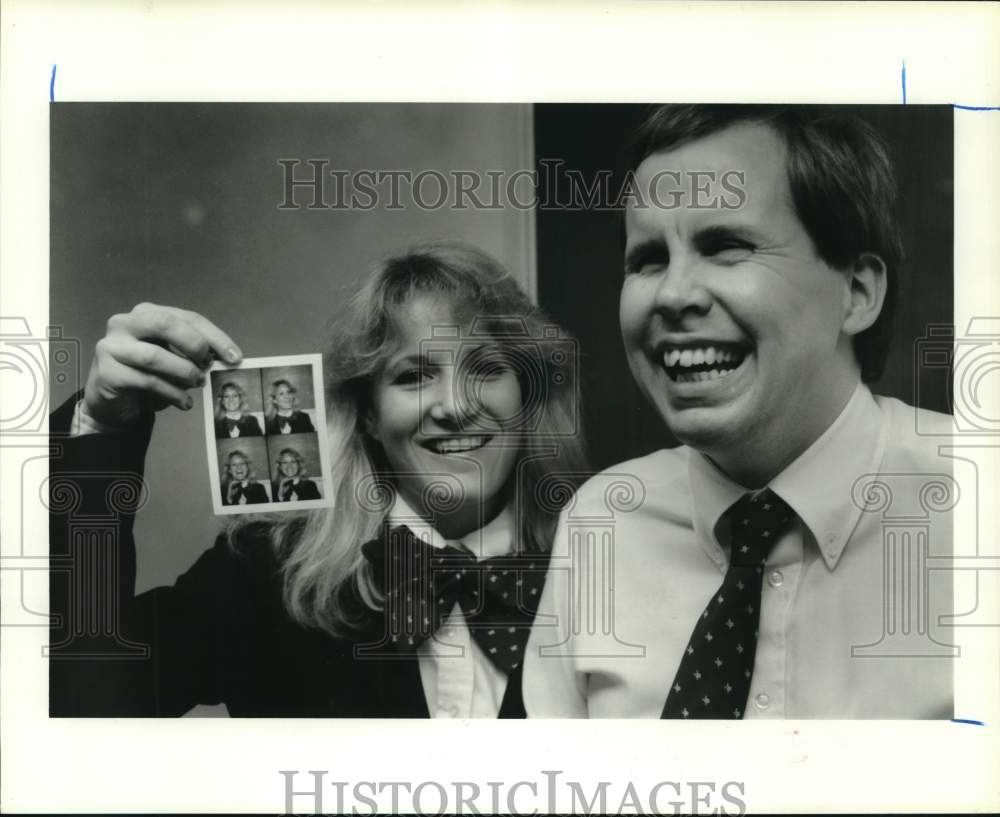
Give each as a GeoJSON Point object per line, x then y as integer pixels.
{"type": "Point", "coordinates": [411, 377]}
{"type": "Point", "coordinates": [488, 366]}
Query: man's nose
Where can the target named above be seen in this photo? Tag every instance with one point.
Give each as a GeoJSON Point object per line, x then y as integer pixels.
{"type": "Point", "coordinates": [680, 290]}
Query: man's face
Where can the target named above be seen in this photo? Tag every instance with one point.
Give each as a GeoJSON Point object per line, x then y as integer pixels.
{"type": "Point", "coordinates": [731, 321]}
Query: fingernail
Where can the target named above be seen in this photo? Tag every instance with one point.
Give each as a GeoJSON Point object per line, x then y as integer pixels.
{"type": "Point", "coordinates": [188, 402]}
{"type": "Point", "coordinates": [232, 354]}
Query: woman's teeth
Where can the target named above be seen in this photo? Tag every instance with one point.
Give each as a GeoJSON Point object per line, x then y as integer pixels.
{"type": "Point", "coordinates": [701, 363]}
{"type": "Point", "coordinates": [454, 445]}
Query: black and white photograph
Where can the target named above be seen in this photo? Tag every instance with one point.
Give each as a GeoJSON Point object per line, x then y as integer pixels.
{"type": "Point", "coordinates": [745, 288]}
{"type": "Point", "coordinates": [398, 415]}
{"type": "Point", "coordinates": [239, 462]}
{"type": "Point", "coordinates": [238, 403]}
{"type": "Point", "coordinates": [294, 458]}
{"type": "Point", "coordinates": [264, 406]}
{"type": "Point", "coordinates": [290, 402]}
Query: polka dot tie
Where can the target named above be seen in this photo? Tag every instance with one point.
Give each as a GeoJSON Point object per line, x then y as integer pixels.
{"type": "Point", "coordinates": [713, 680]}
{"type": "Point", "coordinates": [498, 596]}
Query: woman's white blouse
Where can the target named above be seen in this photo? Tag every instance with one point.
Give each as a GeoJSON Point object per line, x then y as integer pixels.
{"type": "Point", "coordinates": [459, 680]}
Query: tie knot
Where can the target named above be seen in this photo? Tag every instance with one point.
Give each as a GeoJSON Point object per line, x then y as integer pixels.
{"type": "Point", "coordinates": [757, 521]}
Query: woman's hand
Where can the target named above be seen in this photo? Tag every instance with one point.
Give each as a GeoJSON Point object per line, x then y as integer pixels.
{"type": "Point", "coordinates": [150, 358]}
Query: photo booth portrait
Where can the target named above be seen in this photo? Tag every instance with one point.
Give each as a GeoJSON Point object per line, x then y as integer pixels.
{"type": "Point", "coordinates": [243, 471]}
{"type": "Point", "coordinates": [289, 401]}
{"type": "Point", "coordinates": [296, 472]}
{"type": "Point", "coordinates": [238, 403]}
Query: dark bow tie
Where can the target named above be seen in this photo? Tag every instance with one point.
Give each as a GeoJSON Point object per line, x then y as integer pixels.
{"type": "Point", "coordinates": [498, 596]}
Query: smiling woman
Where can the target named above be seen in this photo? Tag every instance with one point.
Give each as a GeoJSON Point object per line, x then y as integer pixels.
{"type": "Point", "coordinates": [453, 427]}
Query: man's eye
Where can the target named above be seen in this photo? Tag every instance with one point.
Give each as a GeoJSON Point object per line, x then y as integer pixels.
{"type": "Point", "coordinates": [728, 249]}
{"type": "Point", "coordinates": [646, 260]}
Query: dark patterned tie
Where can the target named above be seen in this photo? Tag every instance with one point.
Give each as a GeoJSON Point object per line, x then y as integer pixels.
{"type": "Point", "coordinates": [499, 596]}
{"type": "Point", "coordinates": [286, 491]}
{"type": "Point", "coordinates": [713, 680]}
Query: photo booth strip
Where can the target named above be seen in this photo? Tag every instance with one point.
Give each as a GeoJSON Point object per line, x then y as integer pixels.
{"type": "Point", "coordinates": [258, 494]}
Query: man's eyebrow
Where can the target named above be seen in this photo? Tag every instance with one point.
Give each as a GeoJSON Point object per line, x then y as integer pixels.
{"type": "Point", "coordinates": [733, 230]}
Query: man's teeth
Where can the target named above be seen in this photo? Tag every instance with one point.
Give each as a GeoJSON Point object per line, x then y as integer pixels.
{"type": "Point", "coordinates": [453, 445]}
{"type": "Point", "coordinates": [698, 357]}
{"type": "Point", "coordinates": [691, 377]}
{"type": "Point", "coordinates": [703, 363]}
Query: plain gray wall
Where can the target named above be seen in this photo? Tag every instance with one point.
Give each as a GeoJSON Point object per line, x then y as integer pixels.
{"type": "Point", "coordinates": [178, 204]}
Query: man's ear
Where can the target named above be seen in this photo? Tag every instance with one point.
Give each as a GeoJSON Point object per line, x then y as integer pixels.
{"type": "Point", "coordinates": [867, 281]}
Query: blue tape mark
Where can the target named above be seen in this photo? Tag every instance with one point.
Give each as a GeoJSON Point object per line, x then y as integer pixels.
{"type": "Point", "coordinates": [967, 720]}
{"type": "Point", "coordinates": [902, 82]}
{"type": "Point", "coordinates": [52, 84]}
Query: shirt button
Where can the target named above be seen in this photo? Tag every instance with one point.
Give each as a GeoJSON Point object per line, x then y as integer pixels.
{"type": "Point", "coordinates": [775, 578]}
{"type": "Point", "coordinates": [763, 700]}
{"type": "Point", "coordinates": [450, 711]}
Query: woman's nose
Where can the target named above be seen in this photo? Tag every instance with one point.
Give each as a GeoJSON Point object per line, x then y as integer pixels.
{"type": "Point", "coordinates": [446, 404]}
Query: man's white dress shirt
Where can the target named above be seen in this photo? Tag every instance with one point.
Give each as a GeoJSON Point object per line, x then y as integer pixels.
{"type": "Point", "coordinates": [638, 555]}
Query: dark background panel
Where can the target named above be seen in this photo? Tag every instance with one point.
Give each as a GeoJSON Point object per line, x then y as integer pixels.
{"type": "Point", "coordinates": [580, 259]}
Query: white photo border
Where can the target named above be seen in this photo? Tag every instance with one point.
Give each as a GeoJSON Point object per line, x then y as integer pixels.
{"type": "Point", "coordinates": [753, 52]}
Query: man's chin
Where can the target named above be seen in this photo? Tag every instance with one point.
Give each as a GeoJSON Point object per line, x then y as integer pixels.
{"type": "Point", "coordinates": [704, 429]}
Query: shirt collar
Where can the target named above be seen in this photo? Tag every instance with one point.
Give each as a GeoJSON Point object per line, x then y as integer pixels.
{"type": "Point", "coordinates": [817, 485]}
{"type": "Point", "coordinates": [493, 539]}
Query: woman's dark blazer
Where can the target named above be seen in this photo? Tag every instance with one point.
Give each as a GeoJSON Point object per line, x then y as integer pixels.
{"type": "Point", "coordinates": [254, 492]}
{"type": "Point", "coordinates": [220, 634]}
{"type": "Point", "coordinates": [247, 425]}
{"type": "Point", "coordinates": [306, 489]}
{"type": "Point", "coordinates": [299, 422]}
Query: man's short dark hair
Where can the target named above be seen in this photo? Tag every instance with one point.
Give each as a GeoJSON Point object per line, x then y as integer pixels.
{"type": "Point", "coordinates": [841, 180]}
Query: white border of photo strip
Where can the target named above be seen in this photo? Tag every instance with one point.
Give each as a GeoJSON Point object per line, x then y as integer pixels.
{"type": "Point", "coordinates": [315, 362]}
